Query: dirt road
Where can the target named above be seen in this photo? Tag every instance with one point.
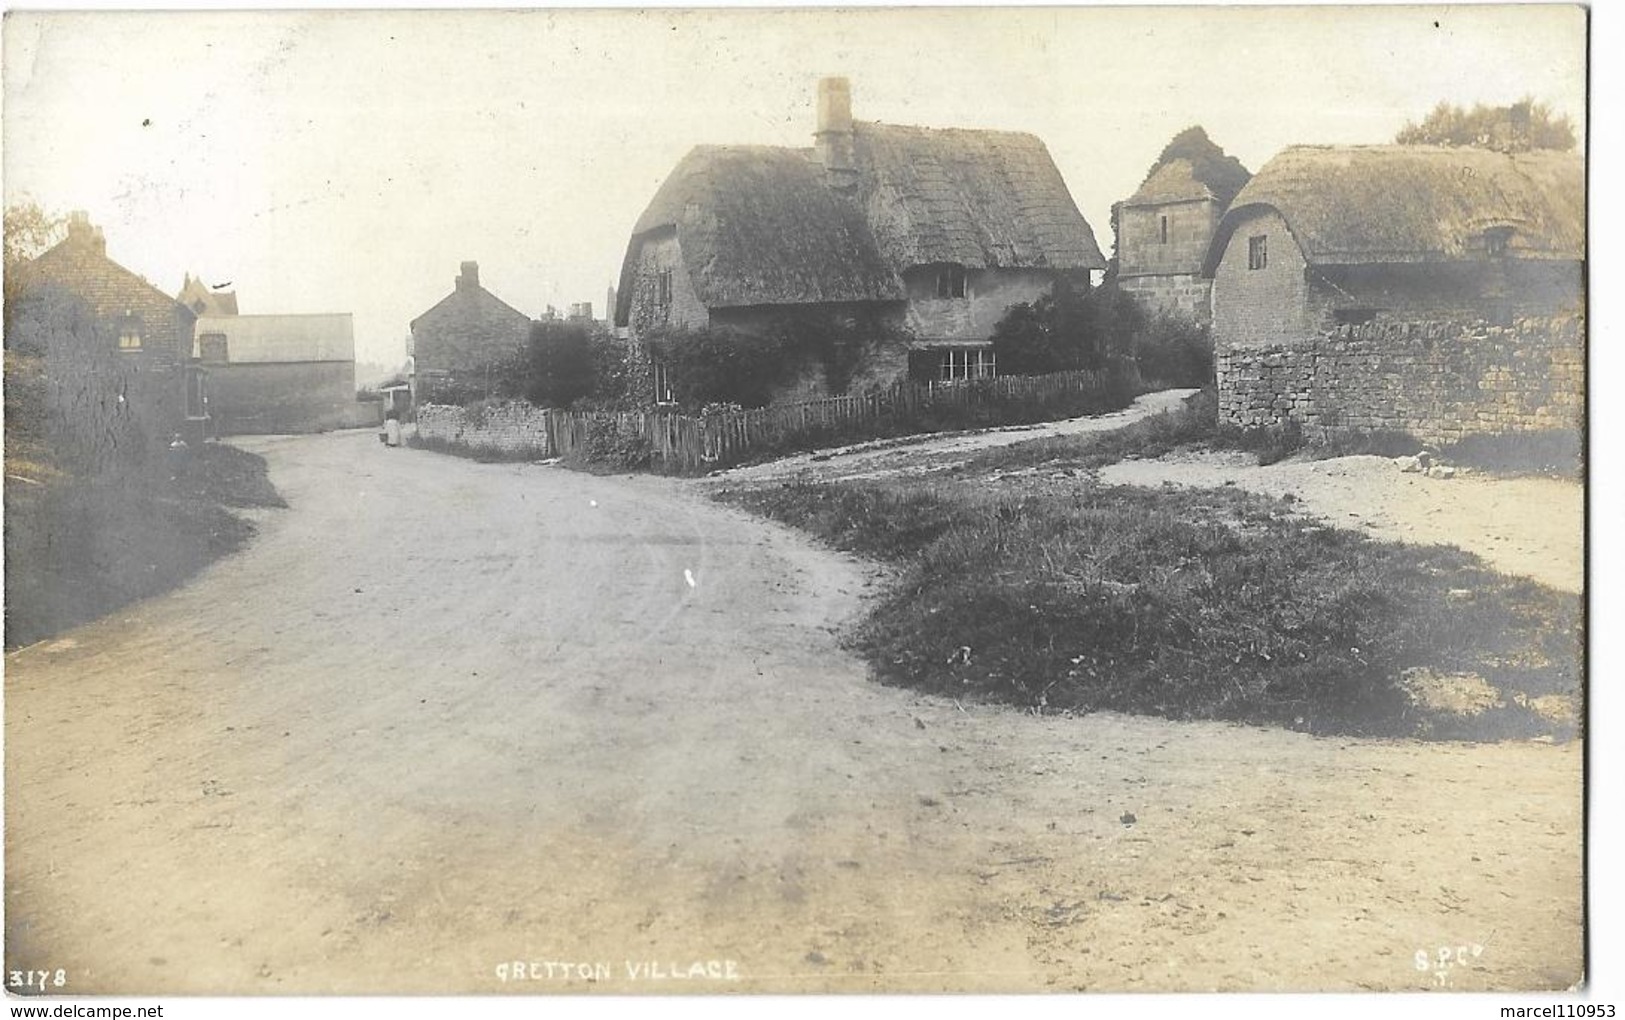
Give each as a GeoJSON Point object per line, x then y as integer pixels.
{"type": "Point", "coordinates": [443, 716]}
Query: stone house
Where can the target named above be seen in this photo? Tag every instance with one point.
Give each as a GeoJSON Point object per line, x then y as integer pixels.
{"type": "Point", "coordinates": [279, 373]}
{"type": "Point", "coordinates": [205, 300]}
{"type": "Point", "coordinates": [1165, 228]}
{"type": "Point", "coordinates": [462, 344]}
{"type": "Point", "coordinates": [117, 350]}
{"type": "Point", "coordinates": [1429, 290]}
{"type": "Point", "coordinates": [1343, 235]}
{"type": "Point", "coordinates": [933, 233]}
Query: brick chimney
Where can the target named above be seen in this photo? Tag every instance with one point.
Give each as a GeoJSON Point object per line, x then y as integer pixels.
{"type": "Point", "coordinates": [469, 279]}
{"type": "Point", "coordinates": [84, 234]}
{"type": "Point", "coordinates": [833, 139]}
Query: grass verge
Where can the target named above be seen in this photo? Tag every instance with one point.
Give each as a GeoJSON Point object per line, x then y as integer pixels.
{"type": "Point", "coordinates": [1192, 604]}
{"type": "Point", "coordinates": [78, 549]}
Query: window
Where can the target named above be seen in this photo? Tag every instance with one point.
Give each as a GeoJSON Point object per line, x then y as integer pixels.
{"type": "Point", "coordinates": [129, 332]}
{"type": "Point", "coordinates": [1495, 241]}
{"type": "Point", "coordinates": [957, 363]}
{"type": "Point", "coordinates": [212, 348]}
{"type": "Point", "coordinates": [1164, 230]}
{"type": "Point", "coordinates": [1258, 252]}
{"type": "Point", "coordinates": [662, 385]}
{"type": "Point", "coordinates": [951, 281]}
{"type": "Point", "coordinates": [663, 288]}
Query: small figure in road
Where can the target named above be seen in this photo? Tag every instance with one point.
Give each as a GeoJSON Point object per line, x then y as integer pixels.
{"type": "Point", "coordinates": [392, 428]}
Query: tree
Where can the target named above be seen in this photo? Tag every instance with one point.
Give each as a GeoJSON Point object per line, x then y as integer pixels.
{"type": "Point", "coordinates": [1518, 127]}
{"type": "Point", "coordinates": [29, 231]}
{"type": "Point", "coordinates": [557, 367]}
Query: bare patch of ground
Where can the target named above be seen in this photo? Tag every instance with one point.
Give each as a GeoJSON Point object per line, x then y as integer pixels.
{"type": "Point", "coordinates": [1529, 526]}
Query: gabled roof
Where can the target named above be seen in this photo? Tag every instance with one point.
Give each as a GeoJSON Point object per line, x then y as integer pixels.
{"type": "Point", "coordinates": [73, 263]}
{"type": "Point", "coordinates": [1413, 203]}
{"type": "Point", "coordinates": [476, 294]}
{"type": "Point", "coordinates": [205, 300]}
{"type": "Point", "coordinates": [1191, 167]}
{"type": "Point", "coordinates": [260, 339]}
{"type": "Point", "coordinates": [760, 225]}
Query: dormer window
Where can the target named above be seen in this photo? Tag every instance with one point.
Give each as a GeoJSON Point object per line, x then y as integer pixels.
{"type": "Point", "coordinates": [951, 281]}
{"type": "Point", "coordinates": [1495, 241]}
{"type": "Point", "coordinates": [129, 332]}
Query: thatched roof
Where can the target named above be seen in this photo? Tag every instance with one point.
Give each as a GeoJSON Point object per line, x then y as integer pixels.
{"type": "Point", "coordinates": [760, 225]}
{"type": "Point", "coordinates": [984, 199]}
{"type": "Point", "coordinates": [1402, 203]}
{"type": "Point", "coordinates": [1191, 167]}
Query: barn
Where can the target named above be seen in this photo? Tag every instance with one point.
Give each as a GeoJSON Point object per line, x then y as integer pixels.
{"type": "Point", "coordinates": [279, 374]}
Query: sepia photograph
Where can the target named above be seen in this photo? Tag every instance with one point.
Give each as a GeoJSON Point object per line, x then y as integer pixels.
{"type": "Point", "coordinates": [805, 501]}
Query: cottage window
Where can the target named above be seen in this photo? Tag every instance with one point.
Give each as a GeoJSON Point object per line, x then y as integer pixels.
{"type": "Point", "coordinates": [1495, 241]}
{"type": "Point", "coordinates": [1258, 252]}
{"type": "Point", "coordinates": [662, 384]}
{"type": "Point", "coordinates": [129, 332]}
{"type": "Point", "coordinates": [1164, 229]}
{"type": "Point", "coordinates": [663, 288]}
{"type": "Point", "coordinates": [951, 281]}
{"type": "Point", "coordinates": [958, 363]}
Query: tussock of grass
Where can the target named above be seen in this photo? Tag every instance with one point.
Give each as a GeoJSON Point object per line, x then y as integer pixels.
{"type": "Point", "coordinates": [1189, 604]}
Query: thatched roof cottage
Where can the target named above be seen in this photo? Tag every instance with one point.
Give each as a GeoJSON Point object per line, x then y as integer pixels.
{"type": "Point", "coordinates": [1164, 229]}
{"type": "Point", "coordinates": [938, 231]}
{"type": "Point", "coordinates": [1337, 235]}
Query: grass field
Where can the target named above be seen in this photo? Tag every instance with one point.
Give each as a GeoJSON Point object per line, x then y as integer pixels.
{"type": "Point", "coordinates": [1025, 581]}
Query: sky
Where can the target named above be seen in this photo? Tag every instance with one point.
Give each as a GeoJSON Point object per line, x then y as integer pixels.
{"type": "Point", "coordinates": [349, 161]}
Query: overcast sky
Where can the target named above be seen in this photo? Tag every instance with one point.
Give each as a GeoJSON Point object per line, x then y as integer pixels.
{"type": "Point", "coordinates": [333, 162]}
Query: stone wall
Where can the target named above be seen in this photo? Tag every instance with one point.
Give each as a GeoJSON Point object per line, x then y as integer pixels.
{"type": "Point", "coordinates": [1186, 294]}
{"type": "Point", "coordinates": [1438, 380]}
{"type": "Point", "coordinates": [504, 428]}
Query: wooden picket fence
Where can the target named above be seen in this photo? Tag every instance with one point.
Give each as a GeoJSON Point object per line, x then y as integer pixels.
{"type": "Point", "coordinates": [681, 444]}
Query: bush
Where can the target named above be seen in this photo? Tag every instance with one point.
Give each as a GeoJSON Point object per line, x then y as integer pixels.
{"type": "Point", "coordinates": [615, 443]}
{"type": "Point", "coordinates": [1173, 349]}
{"type": "Point", "coordinates": [719, 365]}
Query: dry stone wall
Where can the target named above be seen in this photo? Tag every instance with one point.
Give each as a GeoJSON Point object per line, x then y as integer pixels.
{"type": "Point", "coordinates": [1437, 380]}
{"type": "Point", "coordinates": [504, 428]}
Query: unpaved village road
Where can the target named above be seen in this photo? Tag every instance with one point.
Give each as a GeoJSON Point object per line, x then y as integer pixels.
{"type": "Point", "coordinates": [441, 715]}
